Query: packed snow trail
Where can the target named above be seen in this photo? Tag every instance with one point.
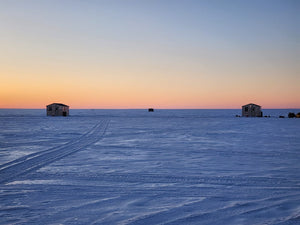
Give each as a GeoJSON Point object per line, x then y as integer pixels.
{"type": "Point", "coordinates": [34, 161]}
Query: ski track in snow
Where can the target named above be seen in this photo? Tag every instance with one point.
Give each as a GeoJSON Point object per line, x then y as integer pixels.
{"type": "Point", "coordinates": [34, 161]}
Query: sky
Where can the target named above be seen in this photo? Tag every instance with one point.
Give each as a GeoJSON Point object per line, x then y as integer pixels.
{"type": "Point", "coordinates": [199, 54]}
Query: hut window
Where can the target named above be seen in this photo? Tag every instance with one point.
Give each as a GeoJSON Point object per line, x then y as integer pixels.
{"type": "Point", "coordinates": [246, 109]}
{"type": "Point", "coordinates": [49, 108]}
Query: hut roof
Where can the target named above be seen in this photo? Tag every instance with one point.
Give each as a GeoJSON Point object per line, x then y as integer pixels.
{"type": "Point", "coordinates": [58, 104]}
{"type": "Point", "coordinates": [251, 104]}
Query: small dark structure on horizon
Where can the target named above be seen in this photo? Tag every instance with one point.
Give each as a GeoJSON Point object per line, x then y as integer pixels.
{"type": "Point", "coordinates": [291, 115]}
{"type": "Point", "coordinates": [150, 110]}
{"type": "Point", "coordinates": [57, 109]}
{"type": "Point", "coordinates": [251, 110]}
{"type": "Point", "coordinates": [294, 115]}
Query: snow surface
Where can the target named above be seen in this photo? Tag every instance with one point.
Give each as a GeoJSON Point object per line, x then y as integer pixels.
{"type": "Point", "coordinates": [139, 167]}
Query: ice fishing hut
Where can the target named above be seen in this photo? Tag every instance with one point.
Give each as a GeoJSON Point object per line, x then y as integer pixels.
{"type": "Point", "coordinates": [251, 110]}
{"type": "Point", "coordinates": [150, 110]}
{"type": "Point", "coordinates": [57, 109]}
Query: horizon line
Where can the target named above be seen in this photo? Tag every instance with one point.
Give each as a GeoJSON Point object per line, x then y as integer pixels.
{"type": "Point", "coordinates": [148, 108]}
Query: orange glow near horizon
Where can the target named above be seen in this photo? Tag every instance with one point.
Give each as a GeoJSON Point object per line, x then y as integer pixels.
{"type": "Point", "coordinates": [21, 90]}
{"type": "Point", "coordinates": [133, 99]}
{"type": "Point", "coordinates": [129, 91]}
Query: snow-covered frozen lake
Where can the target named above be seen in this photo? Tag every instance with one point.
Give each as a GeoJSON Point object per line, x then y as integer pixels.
{"type": "Point", "coordinates": [136, 167]}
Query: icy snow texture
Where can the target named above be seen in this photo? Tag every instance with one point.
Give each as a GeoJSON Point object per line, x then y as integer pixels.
{"type": "Point", "coordinates": [136, 167]}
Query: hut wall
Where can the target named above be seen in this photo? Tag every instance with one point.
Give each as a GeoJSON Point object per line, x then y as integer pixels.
{"type": "Point", "coordinates": [57, 110]}
{"type": "Point", "coordinates": [251, 110]}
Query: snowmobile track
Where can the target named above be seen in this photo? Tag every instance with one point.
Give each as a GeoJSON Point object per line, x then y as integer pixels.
{"type": "Point", "coordinates": [32, 162]}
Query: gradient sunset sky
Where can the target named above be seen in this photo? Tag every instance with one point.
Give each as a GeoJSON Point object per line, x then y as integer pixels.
{"type": "Point", "coordinates": [150, 53]}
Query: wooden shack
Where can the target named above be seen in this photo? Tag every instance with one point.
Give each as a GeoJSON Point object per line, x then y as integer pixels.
{"type": "Point", "coordinates": [150, 110]}
{"type": "Point", "coordinates": [251, 110]}
{"type": "Point", "coordinates": [57, 109]}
